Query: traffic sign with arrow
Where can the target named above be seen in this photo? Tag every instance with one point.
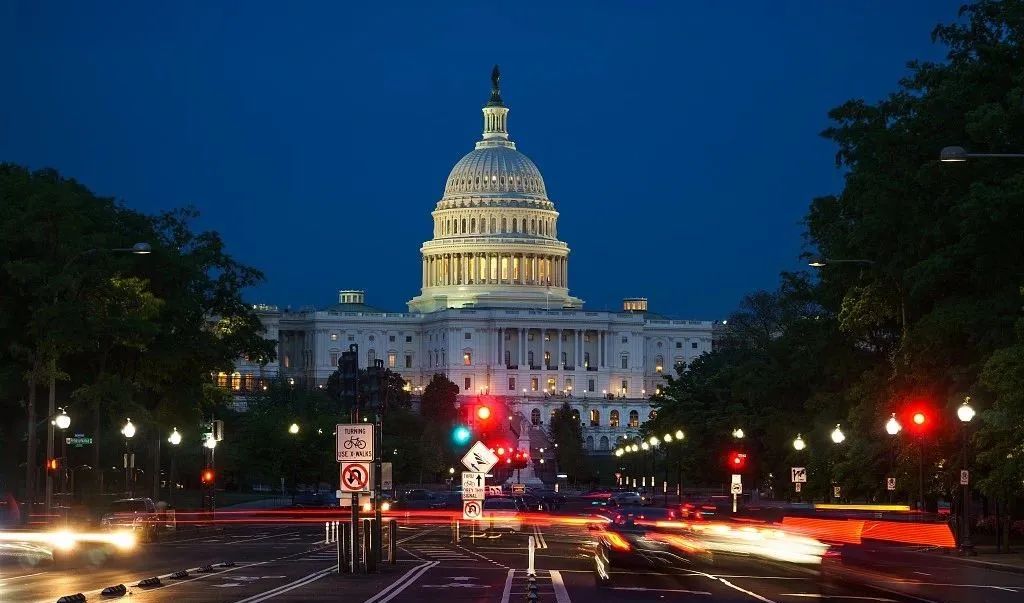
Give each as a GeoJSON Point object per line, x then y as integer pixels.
{"type": "Point", "coordinates": [474, 485]}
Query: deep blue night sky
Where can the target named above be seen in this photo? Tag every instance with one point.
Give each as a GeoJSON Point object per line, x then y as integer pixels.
{"type": "Point", "coordinates": [679, 141]}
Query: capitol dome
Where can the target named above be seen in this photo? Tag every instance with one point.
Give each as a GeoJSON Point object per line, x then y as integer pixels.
{"type": "Point", "coordinates": [495, 240]}
{"type": "Point", "coordinates": [495, 170]}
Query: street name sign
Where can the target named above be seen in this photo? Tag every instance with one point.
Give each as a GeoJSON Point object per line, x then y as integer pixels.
{"type": "Point", "coordinates": [798, 474]}
{"type": "Point", "coordinates": [355, 477]}
{"type": "Point", "coordinates": [355, 442]}
{"type": "Point", "coordinates": [474, 485]}
{"type": "Point", "coordinates": [479, 459]}
{"type": "Point", "coordinates": [472, 509]}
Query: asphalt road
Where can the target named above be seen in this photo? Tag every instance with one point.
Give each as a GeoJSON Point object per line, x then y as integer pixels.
{"type": "Point", "coordinates": [291, 563]}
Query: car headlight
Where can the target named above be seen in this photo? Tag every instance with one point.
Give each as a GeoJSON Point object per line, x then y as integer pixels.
{"type": "Point", "coordinates": [385, 506]}
{"type": "Point", "coordinates": [63, 540]}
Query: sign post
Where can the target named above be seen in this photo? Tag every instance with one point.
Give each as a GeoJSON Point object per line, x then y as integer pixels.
{"type": "Point", "coordinates": [355, 446]}
{"type": "Point", "coordinates": [736, 488]}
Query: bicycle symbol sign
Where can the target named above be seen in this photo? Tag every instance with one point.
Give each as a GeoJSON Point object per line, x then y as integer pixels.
{"type": "Point", "coordinates": [355, 442]}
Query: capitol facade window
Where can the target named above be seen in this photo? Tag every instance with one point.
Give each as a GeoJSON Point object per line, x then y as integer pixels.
{"type": "Point", "coordinates": [535, 417]}
{"type": "Point", "coordinates": [634, 418]}
{"type": "Point", "coordinates": [613, 419]}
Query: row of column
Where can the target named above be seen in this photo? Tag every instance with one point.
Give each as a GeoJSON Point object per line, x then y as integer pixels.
{"type": "Point", "coordinates": [495, 268]}
{"type": "Point", "coordinates": [498, 356]}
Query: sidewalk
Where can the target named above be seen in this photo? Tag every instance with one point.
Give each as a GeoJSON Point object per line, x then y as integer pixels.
{"type": "Point", "coordinates": [986, 557]}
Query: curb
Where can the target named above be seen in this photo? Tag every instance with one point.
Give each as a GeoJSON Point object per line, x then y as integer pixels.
{"type": "Point", "coordinates": [1015, 569]}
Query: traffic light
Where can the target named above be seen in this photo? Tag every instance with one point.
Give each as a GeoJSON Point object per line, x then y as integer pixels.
{"type": "Point", "coordinates": [52, 465]}
{"type": "Point", "coordinates": [520, 459]}
{"type": "Point", "coordinates": [348, 369]}
{"type": "Point", "coordinates": [737, 461]}
{"type": "Point", "coordinates": [919, 419]}
{"type": "Point", "coordinates": [461, 435]}
{"type": "Point", "coordinates": [483, 412]}
{"type": "Point", "coordinates": [207, 477]}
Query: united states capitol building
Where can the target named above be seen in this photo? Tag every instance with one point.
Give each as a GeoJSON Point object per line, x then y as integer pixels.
{"type": "Point", "coordinates": [494, 311]}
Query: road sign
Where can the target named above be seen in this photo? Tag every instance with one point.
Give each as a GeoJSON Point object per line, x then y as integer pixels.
{"type": "Point", "coordinates": [355, 442]}
{"type": "Point", "coordinates": [496, 490]}
{"type": "Point", "coordinates": [835, 491]}
{"type": "Point", "coordinates": [479, 459]}
{"type": "Point", "coordinates": [797, 485]}
{"type": "Point", "coordinates": [965, 477]}
{"type": "Point", "coordinates": [472, 509]}
{"type": "Point", "coordinates": [737, 478]}
{"type": "Point", "coordinates": [345, 499]}
{"type": "Point", "coordinates": [890, 483]}
{"type": "Point", "coordinates": [737, 488]}
{"type": "Point", "coordinates": [387, 481]}
{"type": "Point", "coordinates": [473, 485]}
{"type": "Point", "coordinates": [798, 474]}
{"type": "Point", "coordinates": [518, 488]}
{"type": "Point", "coordinates": [355, 477]}
{"type": "Point", "coordinates": [78, 440]}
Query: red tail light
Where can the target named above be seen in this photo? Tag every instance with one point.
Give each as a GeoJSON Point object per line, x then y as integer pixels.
{"type": "Point", "coordinates": [617, 542]}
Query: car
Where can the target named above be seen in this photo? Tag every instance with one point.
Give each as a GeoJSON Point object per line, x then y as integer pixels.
{"type": "Point", "coordinates": [419, 499]}
{"type": "Point", "coordinates": [554, 500]}
{"type": "Point", "coordinates": [631, 538]}
{"type": "Point", "coordinates": [629, 498]}
{"type": "Point", "coordinates": [531, 504]}
{"type": "Point", "coordinates": [137, 515]}
{"type": "Point", "coordinates": [501, 514]}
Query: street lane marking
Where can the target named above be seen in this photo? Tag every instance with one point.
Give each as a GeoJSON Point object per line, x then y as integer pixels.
{"type": "Point", "coordinates": [307, 579]}
{"type": "Point", "coordinates": [402, 583]}
{"type": "Point", "coordinates": [561, 595]}
{"type": "Point", "coordinates": [733, 586]}
{"type": "Point", "coordinates": [5, 580]}
{"type": "Point", "coordinates": [508, 586]}
{"type": "Point", "coordinates": [820, 596]}
{"type": "Point", "coordinates": [662, 590]}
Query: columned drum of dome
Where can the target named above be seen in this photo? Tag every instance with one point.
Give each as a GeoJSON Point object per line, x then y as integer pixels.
{"type": "Point", "coordinates": [495, 240]}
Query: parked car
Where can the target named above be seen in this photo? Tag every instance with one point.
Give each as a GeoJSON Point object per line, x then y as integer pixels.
{"type": "Point", "coordinates": [629, 498]}
{"type": "Point", "coordinates": [135, 514]}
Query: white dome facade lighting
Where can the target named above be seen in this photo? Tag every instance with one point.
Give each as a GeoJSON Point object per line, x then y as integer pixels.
{"type": "Point", "coordinates": [837, 435]}
{"type": "Point", "coordinates": [495, 240]}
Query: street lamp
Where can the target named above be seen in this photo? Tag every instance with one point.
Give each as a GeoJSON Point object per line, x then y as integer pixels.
{"type": "Point", "coordinates": [892, 426]}
{"type": "Point", "coordinates": [679, 434]}
{"type": "Point", "coordinates": [128, 431]}
{"type": "Point", "coordinates": [965, 413]}
{"type": "Point", "coordinates": [668, 438]}
{"type": "Point", "coordinates": [960, 155]}
{"type": "Point", "coordinates": [62, 421]}
{"type": "Point", "coordinates": [798, 443]}
{"type": "Point", "coordinates": [837, 435]}
{"type": "Point", "coordinates": [293, 428]}
{"type": "Point", "coordinates": [174, 439]}
{"type": "Point", "coordinates": [738, 433]}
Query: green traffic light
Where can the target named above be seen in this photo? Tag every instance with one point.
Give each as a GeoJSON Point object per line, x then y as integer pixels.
{"type": "Point", "coordinates": [461, 435]}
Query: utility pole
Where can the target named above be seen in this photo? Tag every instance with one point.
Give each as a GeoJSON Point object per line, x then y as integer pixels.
{"type": "Point", "coordinates": [349, 368]}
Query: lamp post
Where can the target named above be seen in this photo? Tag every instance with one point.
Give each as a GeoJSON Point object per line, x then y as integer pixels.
{"type": "Point", "coordinates": [679, 435]}
{"type": "Point", "coordinates": [174, 439]}
{"type": "Point", "coordinates": [893, 428]}
{"type": "Point", "coordinates": [293, 429]}
{"type": "Point", "coordinates": [838, 437]}
{"type": "Point", "coordinates": [128, 431]}
{"type": "Point", "coordinates": [62, 422]}
{"type": "Point", "coordinates": [138, 249]}
{"type": "Point", "coordinates": [965, 413]}
{"type": "Point", "coordinates": [960, 155]}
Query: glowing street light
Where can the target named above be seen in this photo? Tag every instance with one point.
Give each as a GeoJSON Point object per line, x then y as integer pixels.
{"type": "Point", "coordinates": [62, 421]}
{"type": "Point", "coordinates": [644, 446]}
{"type": "Point", "coordinates": [798, 443]}
{"type": "Point", "coordinates": [965, 412]}
{"type": "Point", "coordinates": [210, 443]}
{"type": "Point", "coordinates": [738, 433]}
{"type": "Point", "coordinates": [293, 428]}
{"type": "Point", "coordinates": [175, 437]}
{"type": "Point", "coordinates": [653, 441]}
{"type": "Point", "coordinates": [128, 430]}
{"type": "Point", "coordinates": [668, 438]}
{"type": "Point", "coordinates": [679, 434]}
{"type": "Point", "coordinates": [892, 426]}
{"type": "Point", "coordinates": [837, 435]}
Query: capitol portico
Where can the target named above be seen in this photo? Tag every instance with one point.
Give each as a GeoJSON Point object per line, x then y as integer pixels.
{"type": "Point", "coordinates": [494, 312]}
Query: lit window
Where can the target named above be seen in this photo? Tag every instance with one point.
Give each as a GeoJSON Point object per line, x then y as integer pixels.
{"type": "Point", "coordinates": [551, 385]}
{"type": "Point", "coordinates": [469, 384]}
{"type": "Point", "coordinates": [392, 359]}
{"type": "Point", "coordinates": [595, 417]}
{"type": "Point", "coordinates": [659, 364]}
{"type": "Point", "coordinates": [467, 358]}
{"type": "Point", "coordinates": [613, 419]}
{"type": "Point", "coordinates": [533, 384]}
{"type": "Point", "coordinates": [625, 387]}
{"type": "Point", "coordinates": [634, 418]}
{"type": "Point", "coordinates": [222, 379]}
{"type": "Point", "coordinates": [334, 337]}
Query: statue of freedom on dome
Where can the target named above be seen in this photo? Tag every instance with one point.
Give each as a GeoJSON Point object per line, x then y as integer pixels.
{"type": "Point", "coordinates": [495, 100]}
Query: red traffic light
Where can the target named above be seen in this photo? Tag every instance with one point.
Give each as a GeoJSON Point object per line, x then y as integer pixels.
{"type": "Point", "coordinates": [483, 413]}
{"type": "Point", "coordinates": [207, 476]}
{"type": "Point", "coordinates": [52, 464]}
{"type": "Point", "coordinates": [737, 461]}
{"type": "Point", "coordinates": [920, 418]}
{"type": "Point", "coordinates": [500, 451]}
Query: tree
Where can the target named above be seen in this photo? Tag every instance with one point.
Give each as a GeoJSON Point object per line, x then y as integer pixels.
{"type": "Point", "coordinates": [438, 401]}
{"type": "Point", "coordinates": [566, 434]}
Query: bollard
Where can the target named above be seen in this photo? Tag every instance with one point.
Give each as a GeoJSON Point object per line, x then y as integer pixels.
{"type": "Point", "coordinates": [334, 531]}
{"type": "Point", "coordinates": [154, 581]}
{"type": "Point", "coordinates": [114, 591]}
{"type": "Point", "coordinates": [180, 574]}
{"type": "Point", "coordinates": [393, 541]}
{"type": "Point", "coordinates": [531, 546]}
{"type": "Point", "coordinates": [343, 558]}
{"type": "Point", "coordinates": [327, 532]}
{"type": "Point", "coordinates": [369, 558]}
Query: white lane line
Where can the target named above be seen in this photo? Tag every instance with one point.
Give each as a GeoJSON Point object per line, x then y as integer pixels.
{"type": "Point", "coordinates": [12, 578]}
{"type": "Point", "coordinates": [743, 590]}
{"type": "Point", "coordinates": [820, 596]}
{"type": "Point", "coordinates": [402, 583]}
{"type": "Point", "coordinates": [662, 590]}
{"type": "Point", "coordinates": [270, 594]}
{"type": "Point", "coordinates": [505, 594]}
{"type": "Point", "coordinates": [561, 595]}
